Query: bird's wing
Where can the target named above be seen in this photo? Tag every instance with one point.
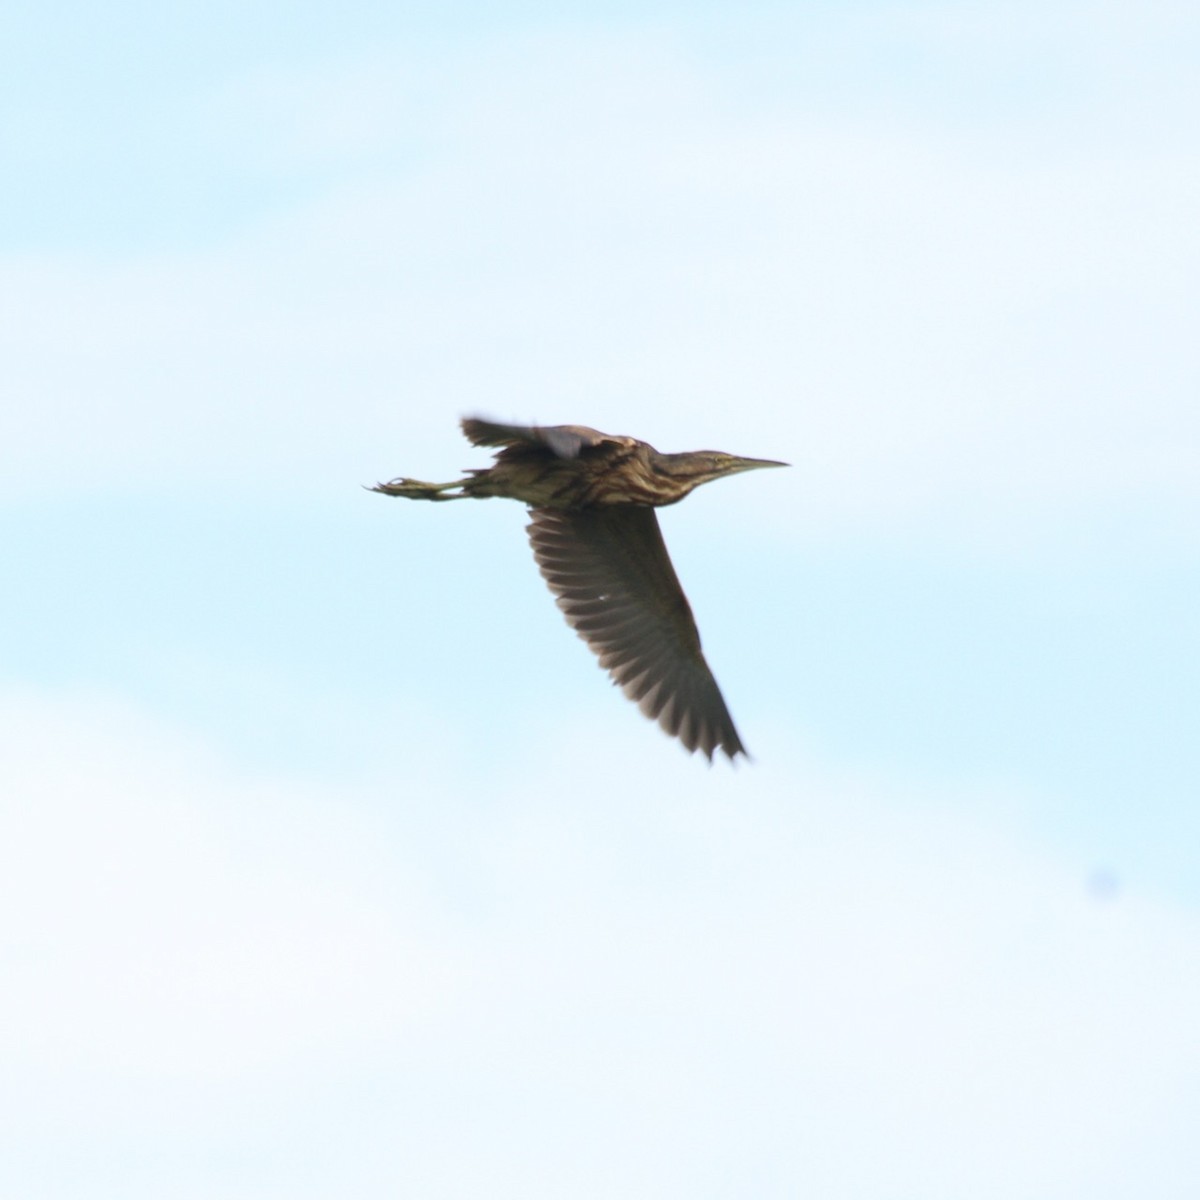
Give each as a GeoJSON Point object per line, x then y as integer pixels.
{"type": "Point", "coordinates": [565, 441]}
{"type": "Point", "coordinates": [609, 570]}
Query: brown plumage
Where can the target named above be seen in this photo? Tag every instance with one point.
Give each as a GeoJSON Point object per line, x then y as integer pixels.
{"type": "Point", "coordinates": [597, 542]}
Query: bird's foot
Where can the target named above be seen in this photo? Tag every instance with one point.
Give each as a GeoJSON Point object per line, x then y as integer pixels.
{"type": "Point", "coordinates": [415, 489]}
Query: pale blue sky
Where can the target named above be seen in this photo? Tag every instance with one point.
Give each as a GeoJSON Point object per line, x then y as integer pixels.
{"type": "Point", "coordinates": [332, 864]}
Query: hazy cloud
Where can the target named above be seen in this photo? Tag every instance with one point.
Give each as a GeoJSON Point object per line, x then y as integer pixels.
{"type": "Point", "coordinates": [935, 322]}
{"type": "Point", "coordinates": [568, 983]}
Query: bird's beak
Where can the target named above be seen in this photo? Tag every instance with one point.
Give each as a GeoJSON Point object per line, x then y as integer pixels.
{"type": "Point", "coordinates": [751, 464]}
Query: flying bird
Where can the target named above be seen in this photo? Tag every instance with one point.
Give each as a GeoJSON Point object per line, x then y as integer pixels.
{"type": "Point", "coordinates": [597, 543]}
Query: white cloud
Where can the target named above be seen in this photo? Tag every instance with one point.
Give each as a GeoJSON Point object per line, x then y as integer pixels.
{"type": "Point", "coordinates": [168, 922]}
{"type": "Point", "coordinates": [940, 326]}
{"type": "Point", "coordinates": [542, 979]}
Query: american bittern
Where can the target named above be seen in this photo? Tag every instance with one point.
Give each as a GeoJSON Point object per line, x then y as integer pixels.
{"type": "Point", "coordinates": [597, 542]}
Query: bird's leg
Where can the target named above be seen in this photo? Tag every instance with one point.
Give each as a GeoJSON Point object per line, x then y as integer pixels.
{"type": "Point", "coordinates": [414, 489]}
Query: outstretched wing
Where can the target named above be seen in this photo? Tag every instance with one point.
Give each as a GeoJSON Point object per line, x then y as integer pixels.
{"type": "Point", "coordinates": [609, 570]}
{"type": "Point", "coordinates": [564, 441]}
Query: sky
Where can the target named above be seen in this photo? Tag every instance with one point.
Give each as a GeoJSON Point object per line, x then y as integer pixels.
{"type": "Point", "coordinates": [330, 863]}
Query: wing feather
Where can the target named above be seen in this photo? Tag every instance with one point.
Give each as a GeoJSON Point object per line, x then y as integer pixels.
{"type": "Point", "coordinates": [563, 441]}
{"type": "Point", "coordinates": [609, 571]}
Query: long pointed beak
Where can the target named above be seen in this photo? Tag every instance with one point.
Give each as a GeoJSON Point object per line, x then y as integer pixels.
{"type": "Point", "coordinates": [750, 464]}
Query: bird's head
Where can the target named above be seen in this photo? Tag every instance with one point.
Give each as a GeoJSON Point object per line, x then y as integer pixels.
{"type": "Point", "coordinates": [694, 467]}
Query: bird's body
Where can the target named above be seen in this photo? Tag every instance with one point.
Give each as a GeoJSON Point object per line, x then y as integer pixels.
{"type": "Point", "coordinates": [597, 542]}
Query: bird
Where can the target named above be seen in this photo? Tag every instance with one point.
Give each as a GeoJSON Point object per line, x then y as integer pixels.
{"type": "Point", "coordinates": [597, 543]}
